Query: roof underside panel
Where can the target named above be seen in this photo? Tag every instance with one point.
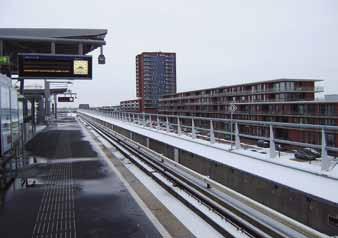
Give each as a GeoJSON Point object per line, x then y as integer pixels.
{"type": "Point", "coordinates": [90, 34]}
{"type": "Point", "coordinates": [39, 40]}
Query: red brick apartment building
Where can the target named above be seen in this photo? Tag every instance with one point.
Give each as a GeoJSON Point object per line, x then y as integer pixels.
{"type": "Point", "coordinates": [280, 100]}
{"type": "Point", "coordinates": [155, 77]}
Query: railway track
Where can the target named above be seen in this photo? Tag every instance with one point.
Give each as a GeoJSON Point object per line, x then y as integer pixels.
{"type": "Point", "coordinates": [240, 220]}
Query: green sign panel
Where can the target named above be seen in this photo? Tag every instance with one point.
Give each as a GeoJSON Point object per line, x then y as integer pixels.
{"type": "Point", "coordinates": [4, 60]}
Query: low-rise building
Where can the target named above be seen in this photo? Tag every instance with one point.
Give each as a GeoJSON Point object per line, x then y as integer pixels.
{"type": "Point", "coordinates": [133, 105]}
{"type": "Point", "coordinates": [280, 100]}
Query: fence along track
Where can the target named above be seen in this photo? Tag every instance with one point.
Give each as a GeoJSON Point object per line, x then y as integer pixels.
{"type": "Point", "coordinates": [189, 187]}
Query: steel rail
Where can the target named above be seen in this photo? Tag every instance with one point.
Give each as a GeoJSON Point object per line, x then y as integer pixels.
{"type": "Point", "coordinates": [243, 223]}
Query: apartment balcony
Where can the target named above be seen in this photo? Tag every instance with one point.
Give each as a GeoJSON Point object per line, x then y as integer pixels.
{"type": "Point", "coordinates": [318, 115]}
{"type": "Point", "coordinates": [276, 90]}
{"type": "Point", "coordinates": [316, 89]}
{"type": "Point", "coordinates": [212, 103]}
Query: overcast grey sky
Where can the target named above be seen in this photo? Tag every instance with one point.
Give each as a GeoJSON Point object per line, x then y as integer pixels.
{"type": "Point", "coordinates": [217, 42]}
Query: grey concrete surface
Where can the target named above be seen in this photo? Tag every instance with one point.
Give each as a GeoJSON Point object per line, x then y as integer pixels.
{"type": "Point", "coordinates": [70, 192]}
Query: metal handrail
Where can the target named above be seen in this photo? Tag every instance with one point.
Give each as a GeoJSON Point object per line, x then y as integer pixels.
{"type": "Point", "coordinates": [174, 122]}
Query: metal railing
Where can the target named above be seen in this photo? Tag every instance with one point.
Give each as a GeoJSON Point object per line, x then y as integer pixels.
{"type": "Point", "coordinates": [225, 130]}
{"type": "Point", "coordinates": [245, 92]}
{"type": "Point", "coordinates": [333, 115]}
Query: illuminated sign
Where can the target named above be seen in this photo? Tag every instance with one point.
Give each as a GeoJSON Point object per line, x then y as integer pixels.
{"type": "Point", "coordinates": [80, 67]}
{"type": "Point", "coordinates": [46, 66]}
{"type": "Point", "coordinates": [4, 60]}
{"type": "Point", "coordinates": [65, 99]}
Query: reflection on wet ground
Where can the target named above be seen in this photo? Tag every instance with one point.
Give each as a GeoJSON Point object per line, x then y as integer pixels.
{"type": "Point", "coordinates": [69, 191]}
{"type": "Point", "coordinates": [50, 145]}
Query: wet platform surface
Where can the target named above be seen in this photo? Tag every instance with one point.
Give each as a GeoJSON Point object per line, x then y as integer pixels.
{"type": "Point", "coordinates": [70, 192]}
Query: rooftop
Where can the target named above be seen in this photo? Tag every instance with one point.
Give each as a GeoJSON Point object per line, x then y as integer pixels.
{"type": "Point", "coordinates": [95, 36]}
{"type": "Point", "coordinates": [157, 53]}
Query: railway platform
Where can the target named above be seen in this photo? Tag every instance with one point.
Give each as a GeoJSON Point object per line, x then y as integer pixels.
{"type": "Point", "coordinates": [69, 190]}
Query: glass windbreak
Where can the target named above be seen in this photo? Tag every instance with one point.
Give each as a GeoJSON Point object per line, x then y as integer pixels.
{"type": "Point", "coordinates": [5, 114]}
{"type": "Point", "coordinates": [20, 111]}
{"type": "Point", "coordinates": [14, 115]}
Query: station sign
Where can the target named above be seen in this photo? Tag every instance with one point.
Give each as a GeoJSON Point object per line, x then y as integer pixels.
{"type": "Point", "coordinates": [4, 60]}
{"type": "Point", "coordinates": [65, 99]}
{"type": "Point", "coordinates": [232, 108]}
{"type": "Point", "coordinates": [49, 66]}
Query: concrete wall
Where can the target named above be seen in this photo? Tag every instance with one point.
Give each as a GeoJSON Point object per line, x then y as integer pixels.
{"type": "Point", "coordinates": [139, 139]}
{"type": "Point", "coordinates": [162, 148]}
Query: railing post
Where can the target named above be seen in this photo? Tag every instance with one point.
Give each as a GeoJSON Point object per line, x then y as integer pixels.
{"type": "Point", "coordinates": [144, 120]}
{"type": "Point", "coordinates": [133, 118]}
{"type": "Point", "coordinates": [231, 132]}
{"type": "Point", "coordinates": [193, 131]}
{"type": "Point", "coordinates": [325, 163]}
{"type": "Point", "coordinates": [179, 131]}
{"type": "Point", "coordinates": [167, 125]}
{"type": "Point", "coordinates": [212, 134]}
{"type": "Point", "coordinates": [158, 123]}
{"type": "Point", "coordinates": [237, 139]}
{"type": "Point", "coordinates": [272, 144]}
{"type": "Point", "coordinates": [129, 117]}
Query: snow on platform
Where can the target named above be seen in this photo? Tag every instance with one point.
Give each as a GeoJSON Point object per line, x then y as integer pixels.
{"type": "Point", "coordinates": [311, 183]}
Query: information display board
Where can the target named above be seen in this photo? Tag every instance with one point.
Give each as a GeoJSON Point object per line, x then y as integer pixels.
{"type": "Point", "coordinates": [48, 66]}
{"type": "Point", "coordinates": [65, 99]}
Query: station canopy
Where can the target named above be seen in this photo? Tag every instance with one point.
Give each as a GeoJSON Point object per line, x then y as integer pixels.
{"type": "Point", "coordinates": [39, 40]}
{"type": "Point", "coordinates": [36, 93]}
